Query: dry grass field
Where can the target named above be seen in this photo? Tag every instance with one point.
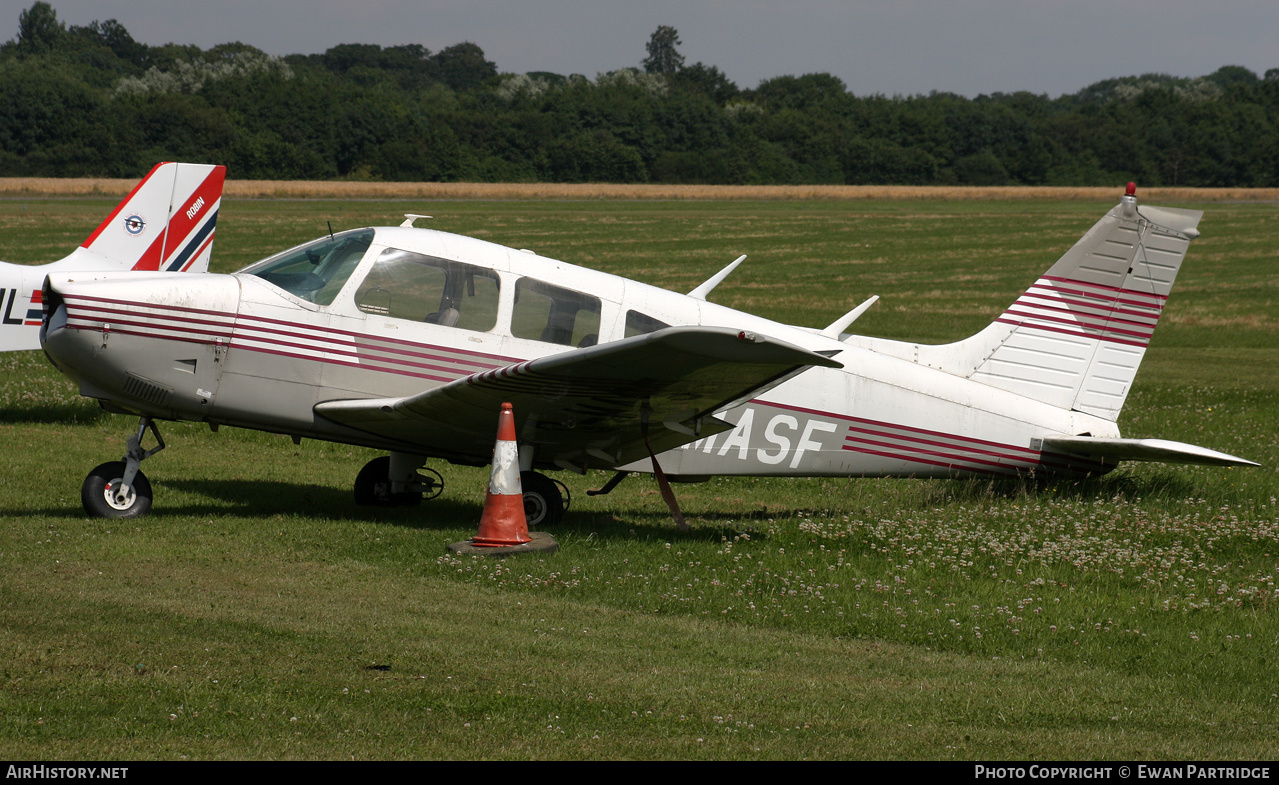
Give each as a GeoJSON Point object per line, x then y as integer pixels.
{"type": "Point", "coordinates": [351, 189]}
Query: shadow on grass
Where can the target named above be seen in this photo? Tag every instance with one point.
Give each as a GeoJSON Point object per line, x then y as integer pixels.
{"type": "Point", "coordinates": [268, 499]}
{"type": "Point", "coordinates": [264, 499]}
{"type": "Point", "coordinates": [259, 499]}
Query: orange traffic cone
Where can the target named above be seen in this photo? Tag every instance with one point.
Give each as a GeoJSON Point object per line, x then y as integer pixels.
{"type": "Point", "coordinates": [503, 522]}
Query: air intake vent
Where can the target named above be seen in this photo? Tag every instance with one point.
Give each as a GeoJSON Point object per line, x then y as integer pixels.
{"type": "Point", "coordinates": [143, 390]}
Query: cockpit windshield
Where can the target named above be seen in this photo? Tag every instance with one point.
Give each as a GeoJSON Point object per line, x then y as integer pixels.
{"type": "Point", "coordinates": [316, 271]}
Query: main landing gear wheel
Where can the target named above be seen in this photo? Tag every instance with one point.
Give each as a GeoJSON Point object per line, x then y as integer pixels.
{"type": "Point", "coordinates": [543, 502]}
{"type": "Point", "coordinates": [373, 486]}
{"type": "Point", "coordinates": [102, 498]}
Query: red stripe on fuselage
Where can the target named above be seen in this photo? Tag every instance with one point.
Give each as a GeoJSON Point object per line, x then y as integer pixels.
{"type": "Point", "coordinates": [967, 440]}
{"type": "Point", "coordinates": [390, 342]}
{"type": "Point", "coordinates": [330, 361]}
{"type": "Point", "coordinates": [278, 337]}
{"type": "Point", "coordinates": [959, 449]}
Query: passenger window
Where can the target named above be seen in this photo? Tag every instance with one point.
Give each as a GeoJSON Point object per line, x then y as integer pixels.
{"type": "Point", "coordinates": [555, 315]}
{"type": "Point", "coordinates": [420, 288]}
{"type": "Point", "coordinates": [638, 324]}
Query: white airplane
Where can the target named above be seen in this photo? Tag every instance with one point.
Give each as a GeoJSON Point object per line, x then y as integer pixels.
{"type": "Point", "coordinates": [409, 340]}
{"type": "Point", "coordinates": [165, 223]}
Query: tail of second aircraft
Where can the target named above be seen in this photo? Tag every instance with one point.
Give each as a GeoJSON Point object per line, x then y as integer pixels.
{"type": "Point", "coordinates": [165, 223]}
{"type": "Point", "coordinates": [1076, 336]}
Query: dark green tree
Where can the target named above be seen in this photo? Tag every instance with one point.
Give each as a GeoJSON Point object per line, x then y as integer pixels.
{"type": "Point", "coordinates": [112, 35]}
{"type": "Point", "coordinates": [980, 168]}
{"type": "Point", "coordinates": [1229, 76]}
{"type": "Point", "coordinates": [663, 57]}
{"type": "Point", "coordinates": [595, 157]}
{"type": "Point", "coordinates": [707, 80]}
{"type": "Point", "coordinates": [463, 67]}
{"type": "Point", "coordinates": [344, 57]}
{"type": "Point", "coordinates": [90, 100]}
{"type": "Point", "coordinates": [39, 29]}
{"type": "Point", "coordinates": [50, 121]}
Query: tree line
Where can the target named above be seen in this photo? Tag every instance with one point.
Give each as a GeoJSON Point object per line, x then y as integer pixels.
{"type": "Point", "coordinates": [91, 101]}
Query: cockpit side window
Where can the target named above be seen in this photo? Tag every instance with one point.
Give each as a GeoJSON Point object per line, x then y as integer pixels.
{"type": "Point", "coordinates": [420, 288]}
{"type": "Point", "coordinates": [638, 323]}
{"type": "Point", "coordinates": [553, 314]}
{"type": "Point", "coordinates": [316, 271]}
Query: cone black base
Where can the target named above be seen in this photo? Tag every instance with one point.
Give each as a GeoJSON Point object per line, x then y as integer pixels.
{"type": "Point", "coordinates": [540, 542]}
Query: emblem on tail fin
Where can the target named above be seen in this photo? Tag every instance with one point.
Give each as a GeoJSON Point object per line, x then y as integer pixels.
{"type": "Point", "coordinates": [135, 225]}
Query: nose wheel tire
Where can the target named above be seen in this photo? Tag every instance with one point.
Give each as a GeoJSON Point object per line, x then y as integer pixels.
{"type": "Point", "coordinates": [101, 495]}
{"type": "Point", "coordinates": [543, 502]}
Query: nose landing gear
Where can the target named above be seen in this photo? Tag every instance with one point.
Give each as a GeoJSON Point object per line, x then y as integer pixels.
{"type": "Point", "coordinates": [118, 489]}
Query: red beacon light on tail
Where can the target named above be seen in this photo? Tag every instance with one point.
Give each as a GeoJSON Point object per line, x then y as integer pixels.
{"type": "Point", "coordinates": [1128, 204]}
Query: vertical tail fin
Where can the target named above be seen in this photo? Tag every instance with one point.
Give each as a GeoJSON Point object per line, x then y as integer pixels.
{"type": "Point", "coordinates": [1077, 335]}
{"type": "Point", "coordinates": [165, 223]}
{"type": "Point", "coordinates": [1074, 339]}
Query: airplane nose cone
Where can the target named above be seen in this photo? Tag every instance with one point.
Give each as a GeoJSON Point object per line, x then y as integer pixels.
{"type": "Point", "coordinates": [53, 326]}
{"type": "Point", "coordinates": [147, 343]}
{"type": "Point", "coordinates": [65, 348]}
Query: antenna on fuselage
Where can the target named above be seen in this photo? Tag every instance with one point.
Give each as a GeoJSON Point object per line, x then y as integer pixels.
{"type": "Point", "coordinates": [836, 327]}
{"type": "Point", "coordinates": [700, 292]}
{"type": "Point", "coordinates": [330, 224]}
{"type": "Point", "coordinates": [409, 218]}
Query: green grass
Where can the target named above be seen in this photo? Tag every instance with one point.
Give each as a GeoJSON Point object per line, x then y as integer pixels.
{"type": "Point", "coordinates": [258, 613]}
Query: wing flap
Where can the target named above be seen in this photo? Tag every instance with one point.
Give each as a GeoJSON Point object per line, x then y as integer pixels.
{"type": "Point", "coordinates": [1157, 450]}
{"type": "Point", "coordinates": [592, 407]}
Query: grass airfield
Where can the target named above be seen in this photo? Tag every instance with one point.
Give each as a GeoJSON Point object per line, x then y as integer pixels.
{"type": "Point", "coordinates": [258, 613]}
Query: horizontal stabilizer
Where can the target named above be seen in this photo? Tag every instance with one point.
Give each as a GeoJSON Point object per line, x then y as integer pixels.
{"type": "Point", "coordinates": [1155, 450]}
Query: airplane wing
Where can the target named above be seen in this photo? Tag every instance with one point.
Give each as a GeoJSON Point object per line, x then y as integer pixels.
{"type": "Point", "coordinates": [592, 407]}
{"type": "Point", "coordinates": [1158, 450]}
